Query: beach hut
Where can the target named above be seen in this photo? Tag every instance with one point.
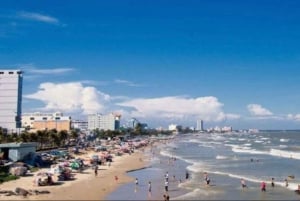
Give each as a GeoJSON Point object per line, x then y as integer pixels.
{"type": "Point", "coordinates": [17, 151]}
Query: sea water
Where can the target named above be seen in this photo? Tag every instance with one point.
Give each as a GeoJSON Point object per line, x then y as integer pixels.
{"type": "Point", "coordinates": [226, 158]}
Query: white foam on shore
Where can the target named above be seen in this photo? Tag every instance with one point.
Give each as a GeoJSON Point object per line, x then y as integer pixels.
{"type": "Point", "coordinates": [284, 140]}
{"type": "Point", "coordinates": [272, 152]}
{"type": "Point", "coordinates": [245, 149]}
{"type": "Point", "coordinates": [193, 140]}
{"type": "Point", "coordinates": [206, 145]}
{"type": "Point", "coordinates": [291, 186]}
{"type": "Point", "coordinates": [196, 193]}
{"type": "Point", "coordinates": [285, 154]}
{"type": "Point", "coordinates": [220, 157]}
{"type": "Point", "coordinates": [197, 167]}
{"type": "Point", "coordinates": [169, 154]}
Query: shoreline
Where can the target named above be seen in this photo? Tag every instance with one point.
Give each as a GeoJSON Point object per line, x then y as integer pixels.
{"type": "Point", "coordinates": [85, 186]}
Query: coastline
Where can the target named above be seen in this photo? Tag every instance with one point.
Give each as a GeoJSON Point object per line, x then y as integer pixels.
{"type": "Point", "coordinates": [85, 186]}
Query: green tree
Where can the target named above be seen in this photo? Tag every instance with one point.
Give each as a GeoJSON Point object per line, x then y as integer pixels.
{"type": "Point", "coordinates": [75, 133]}
{"type": "Point", "coordinates": [63, 136]}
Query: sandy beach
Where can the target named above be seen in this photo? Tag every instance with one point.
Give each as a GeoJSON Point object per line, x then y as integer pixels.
{"type": "Point", "coordinates": [85, 186]}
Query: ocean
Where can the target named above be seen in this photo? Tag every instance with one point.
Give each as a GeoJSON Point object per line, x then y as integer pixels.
{"type": "Point", "coordinates": [226, 159]}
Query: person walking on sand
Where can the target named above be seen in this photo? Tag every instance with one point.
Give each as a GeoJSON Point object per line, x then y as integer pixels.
{"type": "Point", "coordinates": [166, 186]}
{"type": "Point", "coordinates": [167, 176]}
{"type": "Point", "coordinates": [149, 189]}
{"type": "Point", "coordinates": [96, 170]}
{"type": "Point", "coordinates": [166, 197]}
{"type": "Point", "coordinates": [136, 184]}
{"type": "Point", "coordinates": [116, 178]}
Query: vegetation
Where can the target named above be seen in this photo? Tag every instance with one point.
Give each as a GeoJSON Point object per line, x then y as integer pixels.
{"type": "Point", "coordinates": [7, 177]}
{"type": "Point", "coordinates": [48, 139]}
{"type": "Point", "coordinates": [45, 138]}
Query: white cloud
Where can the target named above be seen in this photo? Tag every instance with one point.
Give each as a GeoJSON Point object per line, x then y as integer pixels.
{"type": "Point", "coordinates": [70, 97]}
{"type": "Point", "coordinates": [258, 110]}
{"type": "Point", "coordinates": [206, 108]}
{"type": "Point", "coordinates": [50, 71]}
{"type": "Point", "coordinates": [126, 82]}
{"type": "Point", "coordinates": [38, 17]}
{"type": "Point", "coordinates": [295, 117]}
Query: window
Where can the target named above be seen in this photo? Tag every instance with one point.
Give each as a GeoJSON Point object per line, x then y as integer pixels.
{"type": "Point", "coordinates": [31, 118]}
{"type": "Point", "coordinates": [11, 73]}
{"type": "Point", "coordinates": [44, 118]}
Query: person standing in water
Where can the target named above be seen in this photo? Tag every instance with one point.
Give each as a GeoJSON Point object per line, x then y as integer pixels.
{"type": "Point", "coordinates": [187, 175]}
{"type": "Point", "coordinates": [243, 183]}
{"type": "Point", "coordinates": [272, 182]}
{"type": "Point", "coordinates": [263, 186]}
{"type": "Point", "coordinates": [286, 183]}
{"type": "Point", "coordinates": [206, 178]}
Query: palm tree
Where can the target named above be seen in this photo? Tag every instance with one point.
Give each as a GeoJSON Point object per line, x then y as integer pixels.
{"type": "Point", "coordinates": [33, 137]}
{"type": "Point", "coordinates": [25, 137]}
{"type": "Point", "coordinates": [63, 136]}
{"type": "Point", "coordinates": [55, 139]}
{"type": "Point", "coordinates": [75, 133]}
{"type": "Point", "coordinates": [40, 134]}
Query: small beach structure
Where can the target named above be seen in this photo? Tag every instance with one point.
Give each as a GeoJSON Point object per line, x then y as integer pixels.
{"type": "Point", "coordinates": [17, 151]}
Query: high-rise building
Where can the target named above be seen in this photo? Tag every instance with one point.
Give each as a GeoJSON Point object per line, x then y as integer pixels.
{"type": "Point", "coordinates": [10, 100]}
{"type": "Point", "coordinates": [104, 122]}
{"type": "Point", "coordinates": [200, 125]}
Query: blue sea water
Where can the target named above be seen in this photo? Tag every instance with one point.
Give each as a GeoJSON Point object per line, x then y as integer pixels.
{"type": "Point", "coordinates": [226, 158]}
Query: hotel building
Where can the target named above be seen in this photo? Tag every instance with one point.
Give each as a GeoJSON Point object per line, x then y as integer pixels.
{"type": "Point", "coordinates": [11, 100]}
{"type": "Point", "coordinates": [46, 121]}
{"type": "Point", "coordinates": [104, 122]}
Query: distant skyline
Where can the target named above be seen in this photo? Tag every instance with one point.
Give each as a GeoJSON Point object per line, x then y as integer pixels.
{"type": "Point", "coordinates": [227, 62]}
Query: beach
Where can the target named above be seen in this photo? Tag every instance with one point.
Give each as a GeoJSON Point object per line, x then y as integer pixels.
{"type": "Point", "coordinates": [226, 159]}
{"type": "Point", "coordinates": [85, 186]}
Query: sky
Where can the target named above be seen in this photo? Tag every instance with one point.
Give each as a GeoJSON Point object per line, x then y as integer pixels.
{"type": "Point", "coordinates": [227, 62]}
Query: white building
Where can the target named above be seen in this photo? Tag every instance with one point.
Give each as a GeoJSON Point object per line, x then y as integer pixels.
{"type": "Point", "coordinates": [199, 126]}
{"type": "Point", "coordinates": [227, 129]}
{"type": "Point", "coordinates": [11, 99]}
{"type": "Point", "coordinates": [79, 124]}
{"type": "Point", "coordinates": [172, 127]}
{"type": "Point", "coordinates": [104, 122]}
